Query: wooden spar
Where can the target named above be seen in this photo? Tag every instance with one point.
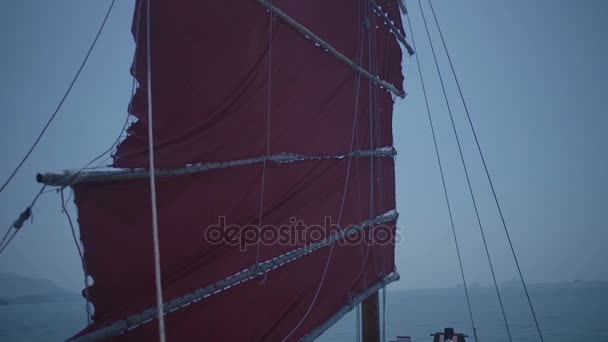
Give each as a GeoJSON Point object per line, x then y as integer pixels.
{"type": "Point", "coordinates": [400, 36]}
{"type": "Point", "coordinates": [73, 177]}
{"type": "Point", "coordinates": [370, 319]}
{"type": "Point", "coordinates": [308, 33]}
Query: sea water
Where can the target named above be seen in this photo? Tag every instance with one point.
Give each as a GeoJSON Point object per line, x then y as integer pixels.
{"type": "Point", "coordinates": [566, 312]}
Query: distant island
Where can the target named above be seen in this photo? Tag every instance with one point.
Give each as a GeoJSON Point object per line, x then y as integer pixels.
{"type": "Point", "coordinates": [16, 289]}
{"type": "Point", "coordinates": [516, 283]}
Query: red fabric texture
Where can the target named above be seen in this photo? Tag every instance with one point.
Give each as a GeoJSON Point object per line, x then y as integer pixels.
{"type": "Point", "coordinates": [210, 81]}
{"type": "Point", "coordinates": [210, 101]}
{"type": "Point", "coordinates": [115, 230]}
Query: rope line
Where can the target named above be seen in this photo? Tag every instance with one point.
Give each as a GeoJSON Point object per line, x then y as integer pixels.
{"type": "Point", "coordinates": [157, 270]}
{"type": "Point", "coordinates": [12, 236]}
{"type": "Point", "coordinates": [371, 28]}
{"type": "Point", "coordinates": [65, 96]}
{"type": "Point", "coordinates": [6, 235]}
{"type": "Point", "coordinates": [360, 38]}
{"type": "Point", "coordinates": [466, 173]}
{"type": "Point", "coordinates": [445, 191]}
{"type": "Point", "coordinates": [332, 246]}
{"type": "Point", "coordinates": [485, 166]}
{"type": "Point", "coordinates": [16, 226]}
{"type": "Point", "coordinates": [365, 250]}
{"type": "Point", "coordinates": [126, 122]}
{"type": "Point", "coordinates": [261, 212]}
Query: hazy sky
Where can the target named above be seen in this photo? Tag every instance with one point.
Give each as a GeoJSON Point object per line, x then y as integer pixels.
{"type": "Point", "coordinates": [534, 75]}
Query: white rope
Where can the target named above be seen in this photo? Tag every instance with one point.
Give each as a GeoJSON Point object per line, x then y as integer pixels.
{"type": "Point", "coordinates": [157, 274]}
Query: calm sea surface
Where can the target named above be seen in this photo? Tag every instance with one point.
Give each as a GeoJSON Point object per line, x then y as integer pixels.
{"type": "Point", "coordinates": [565, 313]}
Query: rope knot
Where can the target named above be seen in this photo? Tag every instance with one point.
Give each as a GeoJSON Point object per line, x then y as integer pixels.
{"type": "Point", "coordinates": [24, 216]}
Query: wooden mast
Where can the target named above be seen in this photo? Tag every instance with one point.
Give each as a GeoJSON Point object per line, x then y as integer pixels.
{"type": "Point", "coordinates": [370, 319]}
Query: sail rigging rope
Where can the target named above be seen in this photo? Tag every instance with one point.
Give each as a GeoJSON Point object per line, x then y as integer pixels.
{"type": "Point", "coordinates": [504, 316]}
{"type": "Point", "coordinates": [367, 248]}
{"type": "Point", "coordinates": [348, 167]}
{"type": "Point", "coordinates": [16, 226]}
{"type": "Point", "coordinates": [86, 167]}
{"type": "Point", "coordinates": [65, 96]}
{"type": "Point", "coordinates": [127, 117]}
{"type": "Point", "coordinates": [8, 237]}
{"type": "Point", "coordinates": [485, 166]}
{"type": "Point", "coordinates": [108, 150]}
{"type": "Point", "coordinates": [157, 270]}
{"type": "Point", "coordinates": [258, 247]}
{"type": "Point", "coordinates": [364, 250]}
{"type": "Point", "coordinates": [358, 324]}
{"type": "Point", "coordinates": [126, 122]}
{"type": "Point", "coordinates": [445, 191]}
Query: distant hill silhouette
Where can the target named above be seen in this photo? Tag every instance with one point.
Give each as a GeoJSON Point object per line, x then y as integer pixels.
{"type": "Point", "coordinates": [16, 289]}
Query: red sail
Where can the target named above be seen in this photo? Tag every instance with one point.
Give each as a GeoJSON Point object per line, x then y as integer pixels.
{"type": "Point", "coordinates": [210, 81]}
{"type": "Point", "coordinates": [210, 92]}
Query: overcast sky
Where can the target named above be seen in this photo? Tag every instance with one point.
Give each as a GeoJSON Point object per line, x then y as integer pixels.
{"type": "Point", "coordinates": [533, 73]}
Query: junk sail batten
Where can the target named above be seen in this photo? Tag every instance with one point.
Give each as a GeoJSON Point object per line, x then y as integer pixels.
{"type": "Point", "coordinates": [309, 34]}
{"type": "Point", "coordinates": [73, 177]}
{"type": "Point", "coordinates": [217, 113]}
{"type": "Point", "coordinates": [395, 30]}
{"type": "Point", "coordinates": [252, 272]}
{"type": "Point", "coordinates": [210, 101]}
